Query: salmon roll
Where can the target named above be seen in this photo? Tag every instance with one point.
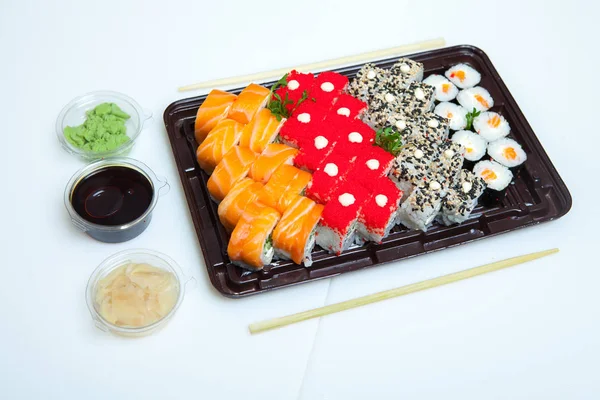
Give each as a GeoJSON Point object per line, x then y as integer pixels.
{"type": "Point", "coordinates": [327, 87]}
{"type": "Point", "coordinates": [212, 110]}
{"type": "Point", "coordinates": [496, 176]}
{"type": "Point", "coordinates": [251, 244]}
{"type": "Point", "coordinates": [233, 168]}
{"type": "Point", "coordinates": [274, 155]}
{"type": "Point", "coordinates": [261, 131]}
{"type": "Point", "coordinates": [225, 135]}
{"type": "Point", "coordinates": [252, 99]}
{"type": "Point", "coordinates": [491, 126]}
{"type": "Point", "coordinates": [444, 89]}
{"type": "Point", "coordinates": [455, 114]}
{"type": "Point", "coordinates": [463, 76]}
{"type": "Point", "coordinates": [475, 98]}
{"type": "Point", "coordinates": [507, 152]}
{"type": "Point", "coordinates": [233, 205]}
{"type": "Point", "coordinates": [294, 236]}
{"type": "Point", "coordinates": [473, 144]}
{"type": "Point", "coordinates": [285, 184]}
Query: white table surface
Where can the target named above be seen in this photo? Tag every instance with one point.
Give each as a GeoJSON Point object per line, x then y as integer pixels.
{"type": "Point", "coordinates": [525, 333]}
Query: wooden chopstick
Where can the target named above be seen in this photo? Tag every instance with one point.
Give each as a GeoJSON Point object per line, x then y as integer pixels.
{"type": "Point", "coordinates": [328, 64]}
{"type": "Point", "coordinates": [401, 291]}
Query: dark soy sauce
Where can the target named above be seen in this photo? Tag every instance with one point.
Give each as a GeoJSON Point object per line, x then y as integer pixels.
{"type": "Point", "coordinates": [112, 196]}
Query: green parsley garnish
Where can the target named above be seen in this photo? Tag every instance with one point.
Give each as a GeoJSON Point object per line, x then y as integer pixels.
{"type": "Point", "coordinates": [389, 139]}
{"type": "Point", "coordinates": [278, 106]}
{"type": "Point", "coordinates": [470, 117]}
{"type": "Point", "coordinates": [302, 98]}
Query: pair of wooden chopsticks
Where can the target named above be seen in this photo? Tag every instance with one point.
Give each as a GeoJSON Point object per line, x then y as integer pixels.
{"type": "Point", "coordinates": [401, 291]}
{"type": "Point", "coordinates": [322, 65]}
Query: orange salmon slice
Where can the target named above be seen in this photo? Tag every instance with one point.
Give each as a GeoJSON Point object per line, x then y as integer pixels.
{"type": "Point", "coordinates": [261, 131]}
{"type": "Point", "coordinates": [214, 108]}
{"type": "Point", "coordinates": [233, 205]}
{"type": "Point", "coordinates": [233, 168]}
{"type": "Point", "coordinates": [248, 239]}
{"type": "Point", "coordinates": [482, 101]}
{"type": "Point", "coordinates": [253, 98]}
{"type": "Point", "coordinates": [510, 153]}
{"type": "Point", "coordinates": [274, 155]}
{"type": "Point", "coordinates": [488, 175]}
{"type": "Point", "coordinates": [296, 225]}
{"type": "Point", "coordinates": [219, 141]}
{"type": "Point", "coordinates": [460, 74]}
{"type": "Point", "coordinates": [494, 122]}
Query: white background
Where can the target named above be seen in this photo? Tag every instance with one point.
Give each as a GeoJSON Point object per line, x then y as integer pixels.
{"type": "Point", "coordinates": [531, 332]}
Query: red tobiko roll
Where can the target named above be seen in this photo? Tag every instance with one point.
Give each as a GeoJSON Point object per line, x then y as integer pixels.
{"type": "Point", "coordinates": [314, 150]}
{"type": "Point", "coordinates": [347, 106]}
{"type": "Point", "coordinates": [371, 165]}
{"type": "Point", "coordinates": [339, 219]}
{"type": "Point", "coordinates": [378, 216]}
{"type": "Point", "coordinates": [354, 137]}
{"type": "Point", "coordinates": [328, 177]}
{"type": "Point", "coordinates": [327, 87]}
{"type": "Point", "coordinates": [297, 84]}
{"type": "Point", "coordinates": [303, 123]}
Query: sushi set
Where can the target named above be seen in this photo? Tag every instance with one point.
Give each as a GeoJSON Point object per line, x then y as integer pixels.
{"type": "Point", "coordinates": [319, 174]}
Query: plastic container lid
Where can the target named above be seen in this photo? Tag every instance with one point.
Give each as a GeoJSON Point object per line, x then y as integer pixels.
{"type": "Point", "coordinates": [151, 257]}
{"type": "Point", "coordinates": [74, 114]}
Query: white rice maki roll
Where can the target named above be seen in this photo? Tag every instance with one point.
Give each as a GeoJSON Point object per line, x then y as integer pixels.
{"type": "Point", "coordinates": [421, 207]}
{"type": "Point", "coordinates": [462, 198]}
{"type": "Point", "coordinates": [444, 89]}
{"type": "Point", "coordinates": [412, 164]}
{"type": "Point", "coordinates": [475, 98]}
{"type": "Point", "coordinates": [507, 152]}
{"type": "Point", "coordinates": [495, 175]}
{"type": "Point", "coordinates": [449, 161]}
{"type": "Point", "coordinates": [455, 114]}
{"type": "Point", "coordinates": [410, 69]}
{"type": "Point", "coordinates": [418, 98]}
{"type": "Point", "coordinates": [367, 82]}
{"type": "Point", "coordinates": [473, 144]}
{"type": "Point", "coordinates": [431, 127]}
{"type": "Point", "coordinates": [491, 126]}
{"type": "Point", "coordinates": [463, 76]}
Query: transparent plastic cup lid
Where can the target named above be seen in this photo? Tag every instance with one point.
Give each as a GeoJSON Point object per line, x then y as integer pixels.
{"type": "Point", "coordinates": [74, 114]}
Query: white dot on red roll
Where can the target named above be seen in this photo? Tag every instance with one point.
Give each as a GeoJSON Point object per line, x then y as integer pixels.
{"type": "Point", "coordinates": [327, 86]}
{"type": "Point", "coordinates": [355, 137]}
{"type": "Point", "coordinates": [381, 200]}
{"type": "Point", "coordinates": [344, 111]}
{"type": "Point", "coordinates": [331, 169]}
{"type": "Point", "coordinates": [346, 199]}
{"type": "Point", "coordinates": [321, 142]}
{"type": "Point", "coordinates": [373, 164]}
{"type": "Point", "coordinates": [304, 118]}
{"type": "Point", "coordinates": [293, 84]}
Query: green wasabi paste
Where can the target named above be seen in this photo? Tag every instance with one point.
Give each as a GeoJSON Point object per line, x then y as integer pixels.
{"type": "Point", "coordinates": [103, 130]}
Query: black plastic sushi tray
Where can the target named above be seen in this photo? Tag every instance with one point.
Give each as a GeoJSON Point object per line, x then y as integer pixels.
{"type": "Point", "coordinates": [537, 194]}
